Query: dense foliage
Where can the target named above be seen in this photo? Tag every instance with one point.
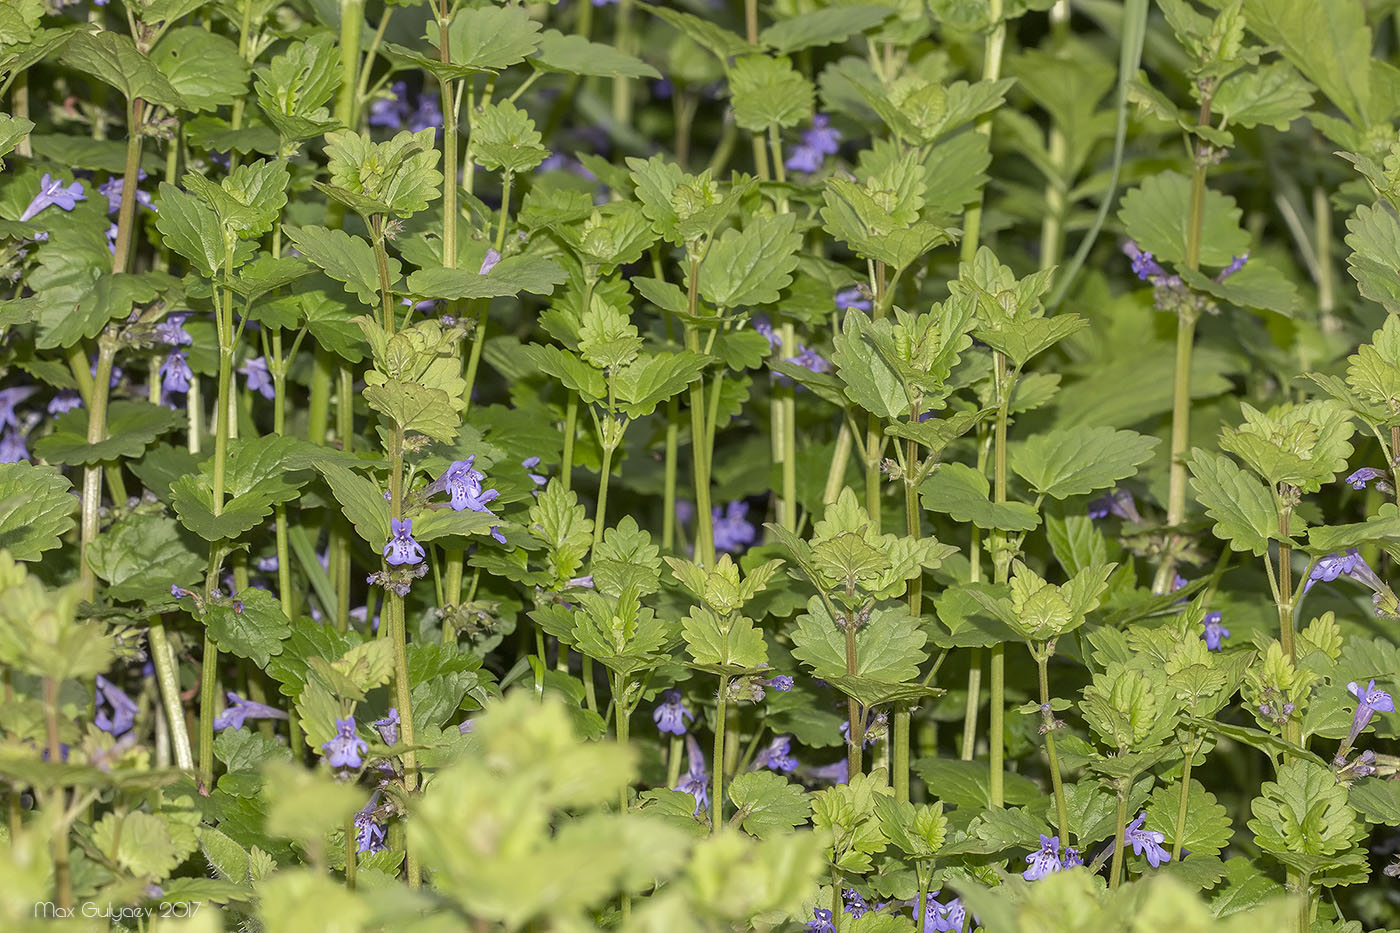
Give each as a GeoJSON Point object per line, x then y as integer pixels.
{"type": "Point", "coordinates": [700, 465]}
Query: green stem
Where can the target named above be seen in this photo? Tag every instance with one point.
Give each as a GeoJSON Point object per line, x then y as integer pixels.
{"type": "Point", "coordinates": [1120, 825]}
{"type": "Point", "coordinates": [704, 520]}
{"type": "Point", "coordinates": [855, 744]}
{"type": "Point", "coordinates": [840, 459]}
{"type": "Point", "coordinates": [622, 88]}
{"type": "Point", "coordinates": [92, 475]}
{"type": "Point", "coordinates": [600, 515]}
{"type": "Point", "coordinates": [168, 681]}
{"type": "Point", "coordinates": [1047, 718]}
{"type": "Point", "coordinates": [351, 846]}
{"type": "Point", "coordinates": [480, 306]}
{"type": "Point", "coordinates": [996, 718]}
{"type": "Point", "coordinates": [992, 48]}
{"type": "Point", "coordinates": [668, 499]}
{"type": "Point", "coordinates": [566, 468]}
{"type": "Point", "coordinates": [717, 762]}
{"type": "Point", "coordinates": [973, 707]}
{"type": "Point", "coordinates": [63, 881]}
{"type": "Point", "coordinates": [352, 24]}
{"type": "Point", "coordinates": [1182, 798]}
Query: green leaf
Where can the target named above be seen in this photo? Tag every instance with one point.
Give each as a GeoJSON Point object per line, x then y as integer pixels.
{"type": "Point", "coordinates": [511, 276]}
{"type": "Point", "coordinates": [1207, 831]}
{"type": "Point", "coordinates": [131, 426]}
{"type": "Point", "coordinates": [142, 556]}
{"type": "Point", "coordinates": [577, 56]}
{"type": "Point", "coordinates": [1304, 813]}
{"type": "Point", "coordinates": [1076, 461]}
{"type": "Point", "coordinates": [750, 267]}
{"type": "Point", "coordinates": [1269, 95]}
{"type": "Point", "coordinates": [1157, 213]}
{"type": "Point", "coordinates": [345, 258]}
{"type": "Point", "coordinates": [723, 43]}
{"type": "Point", "coordinates": [362, 501]}
{"type": "Point", "coordinates": [36, 509]}
{"type": "Point", "coordinates": [1328, 43]}
{"type": "Point", "coordinates": [416, 407]}
{"type": "Point", "coordinates": [111, 57]}
{"type": "Point", "coordinates": [768, 92]}
{"type": "Point", "coordinates": [1304, 445]}
{"type": "Point", "coordinates": [504, 139]}
{"type": "Point", "coordinates": [826, 26]}
{"type": "Point", "coordinates": [203, 67]}
{"type": "Point", "coordinates": [259, 474]}
{"type": "Point", "coordinates": [296, 86]}
{"type": "Point", "coordinates": [190, 228]}
{"type": "Point", "coordinates": [968, 783]}
{"type": "Point", "coordinates": [889, 650]}
{"type": "Point", "coordinates": [251, 625]}
{"type": "Point", "coordinates": [1373, 233]}
{"type": "Point", "coordinates": [397, 177]}
{"type": "Point", "coordinates": [871, 380]}
{"type": "Point", "coordinates": [142, 843]}
{"type": "Point", "coordinates": [1377, 800]}
{"type": "Point", "coordinates": [490, 38]}
{"type": "Point", "coordinates": [724, 645]}
{"type": "Point", "coordinates": [655, 377]}
{"type": "Point", "coordinates": [766, 804]}
{"type": "Point", "coordinates": [962, 492]}
{"type": "Point", "coordinates": [1241, 505]}
{"type": "Point", "coordinates": [12, 130]}
{"type": "Point", "coordinates": [1257, 285]}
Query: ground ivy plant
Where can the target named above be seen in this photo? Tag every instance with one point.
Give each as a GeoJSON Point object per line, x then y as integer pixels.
{"type": "Point", "coordinates": [701, 465]}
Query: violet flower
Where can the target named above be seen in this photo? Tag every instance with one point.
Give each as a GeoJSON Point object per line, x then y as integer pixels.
{"type": "Point", "coordinates": [401, 548]}
{"type": "Point", "coordinates": [114, 187]}
{"type": "Point", "coordinates": [810, 360]}
{"type": "Point", "coordinates": [240, 710]}
{"type": "Point", "coordinates": [52, 191]}
{"type": "Point", "coordinates": [1349, 564]}
{"type": "Point", "coordinates": [1146, 842]}
{"type": "Point", "coordinates": [172, 330]}
{"type": "Point", "coordinates": [1118, 503]}
{"type": "Point", "coordinates": [175, 374]}
{"type": "Point", "coordinates": [347, 748]}
{"type": "Point", "coordinates": [9, 398]}
{"type": "Point", "coordinates": [1368, 702]}
{"type": "Point", "coordinates": [671, 714]}
{"type": "Point", "coordinates": [1213, 633]}
{"type": "Point", "coordinates": [1236, 264]}
{"type": "Point", "coordinates": [1145, 266]}
{"type": "Point", "coordinates": [489, 262]}
{"type": "Point", "coordinates": [1045, 860]}
{"type": "Point", "coordinates": [370, 835]}
{"type": "Point", "coordinates": [777, 756]}
{"type": "Point", "coordinates": [782, 683]}
{"type": "Point", "coordinates": [1361, 477]}
{"type": "Point", "coordinates": [463, 483]}
{"type": "Point", "coordinates": [13, 448]}
{"type": "Point", "coordinates": [944, 917]}
{"type": "Point", "coordinates": [388, 727]}
{"type": "Point", "coordinates": [428, 114]}
{"type": "Point", "coordinates": [391, 111]}
{"type": "Point", "coordinates": [854, 904]}
{"type": "Point", "coordinates": [123, 708]}
{"type": "Point", "coordinates": [821, 922]}
{"type": "Point", "coordinates": [696, 781]}
{"type": "Point", "coordinates": [732, 529]}
{"type": "Point", "coordinates": [64, 400]}
{"type": "Point", "coordinates": [818, 142]}
{"type": "Point", "coordinates": [763, 326]}
{"type": "Point", "coordinates": [530, 463]}
{"type": "Point", "coordinates": [838, 772]}
{"type": "Point", "coordinates": [259, 377]}
{"type": "Point", "coordinates": [853, 297]}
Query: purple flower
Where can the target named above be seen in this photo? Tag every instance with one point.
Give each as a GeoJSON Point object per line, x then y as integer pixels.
{"type": "Point", "coordinates": [670, 715]}
{"type": "Point", "coordinates": [53, 191]}
{"type": "Point", "coordinates": [428, 114]}
{"type": "Point", "coordinates": [853, 297]}
{"type": "Point", "coordinates": [838, 772]}
{"type": "Point", "coordinates": [1071, 858]}
{"type": "Point", "coordinates": [1045, 860]}
{"type": "Point", "coordinates": [390, 111]}
{"type": "Point", "coordinates": [804, 159]}
{"type": "Point", "coordinates": [346, 749]}
{"type": "Point", "coordinates": [733, 531]}
{"type": "Point", "coordinates": [388, 727]}
{"type": "Point", "coordinates": [529, 463]}
{"type": "Point", "coordinates": [9, 398]}
{"type": "Point", "coordinates": [369, 833]}
{"type": "Point", "coordinates": [489, 262]}
{"type": "Point", "coordinates": [942, 917]}
{"type": "Point", "coordinates": [172, 331]}
{"type": "Point", "coordinates": [113, 189]}
{"type": "Point", "coordinates": [175, 373]}
{"type": "Point", "coordinates": [855, 904]}
{"type": "Point", "coordinates": [1368, 702]}
{"type": "Point", "coordinates": [1350, 564]}
{"type": "Point", "coordinates": [818, 142]}
{"type": "Point", "coordinates": [258, 376]}
{"type": "Point", "coordinates": [782, 683]}
{"type": "Point", "coordinates": [777, 756]}
{"type": "Point", "coordinates": [685, 510]}
{"type": "Point", "coordinates": [762, 325]}
{"type": "Point", "coordinates": [1236, 264]}
{"type": "Point", "coordinates": [1146, 842]}
{"type": "Point", "coordinates": [1361, 477]}
{"type": "Point", "coordinates": [1118, 503]}
{"type": "Point", "coordinates": [696, 781]}
{"type": "Point", "coordinates": [463, 483]}
{"type": "Point", "coordinates": [401, 548]}
{"type": "Point", "coordinates": [64, 400]}
{"type": "Point", "coordinates": [875, 722]}
{"type": "Point", "coordinates": [1213, 633]}
{"type": "Point", "coordinates": [12, 446]}
{"type": "Point", "coordinates": [123, 708]}
{"type": "Point", "coordinates": [239, 710]}
{"type": "Point", "coordinates": [810, 360]}
{"type": "Point", "coordinates": [1145, 267]}
{"type": "Point", "coordinates": [822, 922]}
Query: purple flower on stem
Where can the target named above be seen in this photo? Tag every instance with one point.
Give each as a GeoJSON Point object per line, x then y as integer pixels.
{"type": "Point", "coordinates": [818, 142]}
{"type": "Point", "coordinates": [810, 360]}
{"type": "Point", "coordinates": [670, 714]}
{"type": "Point", "coordinates": [1236, 264]}
{"type": "Point", "coordinates": [777, 756]}
{"type": "Point", "coordinates": [258, 376]}
{"type": "Point", "coordinates": [1350, 564]}
{"type": "Point", "coordinates": [1361, 477]}
{"type": "Point", "coordinates": [175, 373]}
{"type": "Point", "coordinates": [489, 262]}
{"type": "Point", "coordinates": [53, 191]}
{"type": "Point", "coordinates": [822, 922]}
{"type": "Point", "coordinates": [762, 325]}
{"type": "Point", "coordinates": [463, 483]}
{"type": "Point", "coordinates": [388, 727]}
{"type": "Point", "coordinates": [172, 331]}
{"type": "Point", "coordinates": [1368, 702]}
{"type": "Point", "coordinates": [804, 159]}
{"type": "Point", "coordinates": [64, 400]}
{"type": "Point", "coordinates": [782, 683]}
{"type": "Point", "coordinates": [939, 918]}
{"type": "Point", "coordinates": [346, 749]}
{"type": "Point", "coordinates": [696, 781]}
{"type": "Point", "coordinates": [853, 297]}
{"type": "Point", "coordinates": [1146, 842]}
{"type": "Point", "coordinates": [1118, 503]}
{"type": "Point", "coordinates": [1213, 633]}
{"type": "Point", "coordinates": [123, 708]}
{"type": "Point", "coordinates": [733, 530]}
{"type": "Point", "coordinates": [401, 548]}
{"type": "Point", "coordinates": [370, 835]}
{"type": "Point", "coordinates": [391, 111]}
{"type": "Point", "coordinates": [240, 710]}
{"type": "Point", "coordinates": [1071, 858]}
{"type": "Point", "coordinates": [1145, 267]}
{"type": "Point", "coordinates": [12, 446]}
{"type": "Point", "coordinates": [855, 904]}
{"type": "Point", "coordinates": [9, 398]}
{"type": "Point", "coordinates": [530, 463]}
{"type": "Point", "coordinates": [1045, 860]}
